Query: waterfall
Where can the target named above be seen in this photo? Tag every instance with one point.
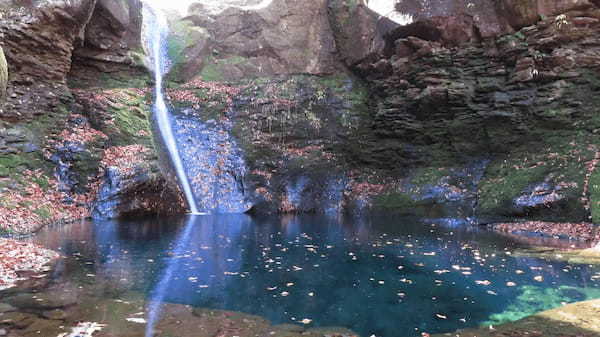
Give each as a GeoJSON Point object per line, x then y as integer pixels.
{"type": "Point", "coordinates": [156, 30]}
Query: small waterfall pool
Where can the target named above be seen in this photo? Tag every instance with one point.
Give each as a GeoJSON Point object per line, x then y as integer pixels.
{"type": "Point", "coordinates": [384, 276]}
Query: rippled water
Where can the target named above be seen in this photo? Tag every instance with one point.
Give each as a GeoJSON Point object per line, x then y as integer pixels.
{"type": "Point", "coordinates": [380, 276]}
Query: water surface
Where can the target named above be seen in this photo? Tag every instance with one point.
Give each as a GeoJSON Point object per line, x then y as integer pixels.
{"type": "Point", "coordinates": [382, 276]}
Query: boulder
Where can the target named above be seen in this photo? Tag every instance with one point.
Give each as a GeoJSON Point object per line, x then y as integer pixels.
{"type": "Point", "coordinates": [284, 37]}
{"type": "Point", "coordinates": [138, 192]}
{"type": "Point", "coordinates": [485, 19]}
{"type": "Point", "coordinates": [449, 31]}
{"type": "Point", "coordinates": [358, 30]}
{"type": "Point", "coordinates": [521, 13]}
{"type": "Point", "coordinates": [114, 29]}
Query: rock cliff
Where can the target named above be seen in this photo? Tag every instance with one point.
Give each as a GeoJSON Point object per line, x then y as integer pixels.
{"type": "Point", "coordinates": [476, 112]}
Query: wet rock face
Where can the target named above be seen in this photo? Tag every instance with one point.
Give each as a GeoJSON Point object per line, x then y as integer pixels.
{"type": "Point", "coordinates": [285, 37]}
{"type": "Point", "coordinates": [215, 164]}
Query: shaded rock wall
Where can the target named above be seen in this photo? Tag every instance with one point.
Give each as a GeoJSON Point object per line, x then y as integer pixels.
{"type": "Point", "coordinates": [526, 100]}
{"type": "Point", "coordinates": [38, 39]}
{"type": "Point", "coordinates": [114, 31]}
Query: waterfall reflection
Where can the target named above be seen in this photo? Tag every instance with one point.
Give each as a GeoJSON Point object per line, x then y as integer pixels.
{"type": "Point", "coordinates": [203, 254]}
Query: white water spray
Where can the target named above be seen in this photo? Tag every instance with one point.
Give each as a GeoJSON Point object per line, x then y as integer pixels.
{"type": "Point", "coordinates": [157, 31]}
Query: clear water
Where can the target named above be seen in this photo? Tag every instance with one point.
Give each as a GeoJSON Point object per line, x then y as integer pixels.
{"type": "Point", "coordinates": [382, 276]}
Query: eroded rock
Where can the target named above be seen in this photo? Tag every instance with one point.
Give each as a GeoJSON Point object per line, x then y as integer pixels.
{"type": "Point", "coordinates": [282, 38]}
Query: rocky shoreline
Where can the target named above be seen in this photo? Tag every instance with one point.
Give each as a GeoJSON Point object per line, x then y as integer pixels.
{"type": "Point", "coordinates": [21, 262]}
{"type": "Point", "coordinates": [583, 232]}
{"type": "Point", "coordinates": [574, 320]}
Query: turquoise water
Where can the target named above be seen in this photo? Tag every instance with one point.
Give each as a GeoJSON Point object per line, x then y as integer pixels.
{"type": "Point", "coordinates": [382, 276]}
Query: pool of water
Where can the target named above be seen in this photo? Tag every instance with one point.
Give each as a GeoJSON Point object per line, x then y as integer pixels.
{"type": "Point", "coordinates": [384, 276]}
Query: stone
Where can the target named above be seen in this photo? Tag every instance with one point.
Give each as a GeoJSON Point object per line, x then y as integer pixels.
{"type": "Point", "coordinates": [282, 38]}
{"type": "Point", "coordinates": [18, 320]}
{"type": "Point", "coordinates": [4, 307]}
{"type": "Point", "coordinates": [359, 32]}
{"type": "Point", "coordinates": [447, 30]}
{"type": "Point", "coordinates": [55, 314]}
{"type": "Point", "coordinates": [191, 56]}
{"type": "Point", "coordinates": [577, 319]}
{"type": "Point", "coordinates": [113, 31]}
{"type": "Point", "coordinates": [42, 301]}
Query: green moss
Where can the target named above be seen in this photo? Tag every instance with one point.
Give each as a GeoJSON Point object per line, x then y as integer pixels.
{"type": "Point", "coordinates": [12, 165]}
{"type": "Point", "coordinates": [427, 176]}
{"type": "Point", "coordinates": [594, 188]}
{"type": "Point", "coordinates": [505, 182]}
{"type": "Point", "coordinates": [395, 202]}
{"type": "Point", "coordinates": [557, 158]}
{"type": "Point", "coordinates": [234, 60]}
{"type": "Point", "coordinates": [45, 124]}
{"type": "Point", "coordinates": [44, 213]}
{"type": "Point", "coordinates": [42, 182]}
{"type": "Point", "coordinates": [107, 80]}
{"type": "Point", "coordinates": [180, 39]}
{"type": "Point", "coordinates": [183, 36]}
{"type": "Point", "coordinates": [536, 299]}
{"type": "Point", "coordinates": [132, 124]}
{"type": "Point", "coordinates": [86, 165]}
{"type": "Point", "coordinates": [211, 72]}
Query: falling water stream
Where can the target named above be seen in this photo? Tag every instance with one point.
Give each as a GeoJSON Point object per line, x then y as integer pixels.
{"type": "Point", "coordinates": [156, 30]}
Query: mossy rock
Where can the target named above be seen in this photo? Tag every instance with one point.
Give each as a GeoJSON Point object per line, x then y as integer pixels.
{"type": "Point", "coordinates": [557, 165]}
{"type": "Point", "coordinates": [401, 203]}
{"type": "Point", "coordinates": [187, 48]}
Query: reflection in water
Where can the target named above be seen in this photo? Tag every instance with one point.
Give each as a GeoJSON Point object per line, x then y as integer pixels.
{"type": "Point", "coordinates": [158, 294]}
{"type": "Point", "coordinates": [380, 276]}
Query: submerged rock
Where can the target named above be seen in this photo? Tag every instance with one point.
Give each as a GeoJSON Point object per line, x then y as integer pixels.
{"type": "Point", "coordinates": [572, 320]}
